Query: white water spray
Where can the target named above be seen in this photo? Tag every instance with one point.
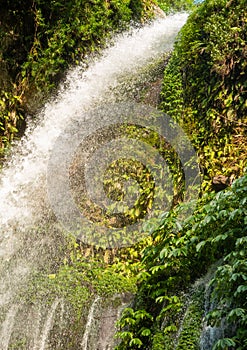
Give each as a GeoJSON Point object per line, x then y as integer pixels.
{"type": "Point", "coordinates": [24, 206]}
{"type": "Point", "coordinates": [80, 91]}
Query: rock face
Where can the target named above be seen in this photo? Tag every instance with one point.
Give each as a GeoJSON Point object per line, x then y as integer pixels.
{"type": "Point", "coordinates": [102, 318]}
{"type": "Point", "coordinates": [158, 12]}
{"type": "Point", "coordinates": [220, 182]}
{"type": "Point", "coordinates": [107, 323]}
{"type": "Point", "coordinates": [53, 326]}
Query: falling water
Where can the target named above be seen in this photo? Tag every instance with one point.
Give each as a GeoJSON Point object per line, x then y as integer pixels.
{"type": "Point", "coordinates": [84, 344]}
{"type": "Point", "coordinates": [7, 327]}
{"type": "Point", "coordinates": [29, 232]}
{"type": "Point", "coordinates": [48, 324]}
{"type": "Point", "coordinates": [210, 334]}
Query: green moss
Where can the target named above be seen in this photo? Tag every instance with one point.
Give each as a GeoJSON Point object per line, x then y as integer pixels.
{"type": "Point", "coordinates": [192, 324]}
{"type": "Point", "coordinates": [162, 341]}
{"type": "Point", "coordinates": [78, 280]}
{"type": "Point", "coordinates": [18, 345]}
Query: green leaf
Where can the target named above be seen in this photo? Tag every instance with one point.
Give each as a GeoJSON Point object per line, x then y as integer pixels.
{"type": "Point", "coordinates": [218, 238]}
{"type": "Point", "coordinates": [223, 344]}
{"type": "Point", "coordinates": [136, 341]}
{"type": "Point", "coordinates": [146, 332]}
{"type": "Point", "coordinates": [164, 253]}
{"type": "Point", "coordinates": [157, 268]}
{"type": "Point", "coordinates": [241, 289]}
{"type": "Point", "coordinates": [235, 313]}
{"type": "Point", "coordinates": [200, 245]}
{"type": "Point", "coordinates": [160, 299]}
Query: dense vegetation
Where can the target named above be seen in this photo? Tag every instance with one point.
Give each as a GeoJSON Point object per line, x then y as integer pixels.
{"type": "Point", "coordinates": [175, 5]}
{"type": "Point", "coordinates": [205, 85]}
{"type": "Point", "coordinates": [216, 232]}
{"type": "Point", "coordinates": [41, 39]}
{"type": "Point", "coordinates": [204, 90]}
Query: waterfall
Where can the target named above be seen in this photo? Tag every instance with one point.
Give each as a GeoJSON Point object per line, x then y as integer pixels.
{"type": "Point", "coordinates": [48, 324]}
{"type": "Point", "coordinates": [84, 344]}
{"type": "Point", "coordinates": [7, 327]}
{"type": "Point", "coordinates": [30, 232]}
{"type": "Point", "coordinates": [210, 334]}
{"type": "Point", "coordinates": [101, 322]}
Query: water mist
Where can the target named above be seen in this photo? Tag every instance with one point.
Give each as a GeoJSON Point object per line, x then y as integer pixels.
{"type": "Point", "coordinates": [30, 231]}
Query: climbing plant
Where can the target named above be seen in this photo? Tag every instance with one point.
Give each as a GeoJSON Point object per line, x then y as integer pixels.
{"type": "Point", "coordinates": [175, 258]}
{"type": "Point", "coordinates": [205, 87]}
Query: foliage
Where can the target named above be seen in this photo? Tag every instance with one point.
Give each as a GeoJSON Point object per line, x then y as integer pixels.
{"type": "Point", "coordinates": [80, 277]}
{"type": "Point", "coordinates": [191, 327]}
{"type": "Point", "coordinates": [205, 91]}
{"type": "Point", "coordinates": [230, 288]}
{"type": "Point", "coordinates": [177, 5]}
{"type": "Point", "coordinates": [175, 259]}
{"type": "Point", "coordinates": [41, 39]}
{"type": "Point", "coordinates": [139, 320]}
{"type": "Point", "coordinates": [205, 87]}
{"type": "Point", "coordinates": [18, 345]}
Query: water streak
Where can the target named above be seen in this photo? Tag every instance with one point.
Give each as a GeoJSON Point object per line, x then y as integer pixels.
{"type": "Point", "coordinates": [48, 324]}
{"type": "Point", "coordinates": [7, 327]}
{"type": "Point", "coordinates": [85, 339]}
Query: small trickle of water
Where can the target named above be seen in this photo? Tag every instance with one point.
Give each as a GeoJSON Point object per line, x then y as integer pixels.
{"type": "Point", "coordinates": [209, 336]}
{"type": "Point", "coordinates": [48, 325]}
{"type": "Point", "coordinates": [7, 327]}
{"type": "Point", "coordinates": [85, 340]}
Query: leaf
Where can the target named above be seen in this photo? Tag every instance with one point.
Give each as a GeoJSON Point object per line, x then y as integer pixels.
{"type": "Point", "coordinates": [157, 268]}
{"type": "Point", "coordinates": [218, 238]}
{"type": "Point", "coordinates": [129, 321]}
{"type": "Point", "coordinates": [200, 245]}
{"type": "Point", "coordinates": [240, 289]}
{"type": "Point", "coordinates": [142, 314]}
{"type": "Point", "coordinates": [236, 313]}
{"type": "Point", "coordinates": [223, 343]}
{"type": "Point", "coordinates": [124, 335]}
{"type": "Point", "coordinates": [161, 299]}
{"type": "Point", "coordinates": [171, 328]}
{"type": "Point", "coordinates": [164, 253]}
{"type": "Point", "coordinates": [136, 341]}
{"type": "Point", "coordinates": [146, 332]}
{"type": "Point", "coordinates": [179, 226]}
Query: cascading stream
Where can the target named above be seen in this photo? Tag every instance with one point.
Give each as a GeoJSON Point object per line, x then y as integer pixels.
{"type": "Point", "coordinates": [7, 327]}
{"type": "Point", "coordinates": [29, 231]}
{"type": "Point", "coordinates": [48, 324]}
